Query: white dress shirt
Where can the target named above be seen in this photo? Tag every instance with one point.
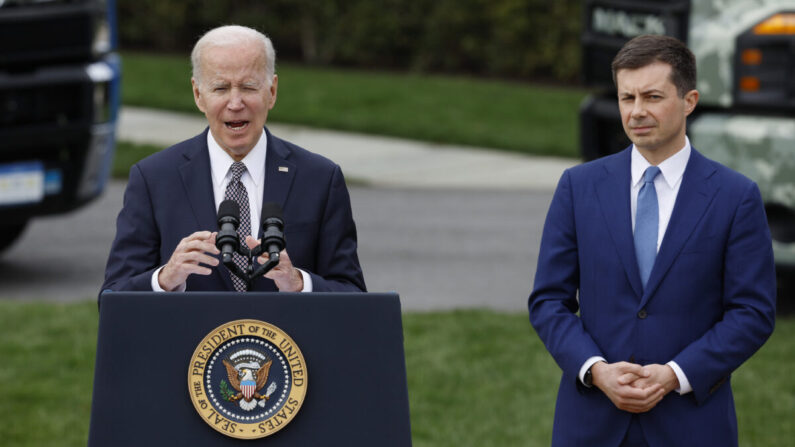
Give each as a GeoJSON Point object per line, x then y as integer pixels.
{"type": "Point", "coordinates": [667, 185]}
{"type": "Point", "coordinates": [254, 181]}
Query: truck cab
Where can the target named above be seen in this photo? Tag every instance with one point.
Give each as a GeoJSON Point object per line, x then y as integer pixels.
{"type": "Point", "coordinates": [59, 99]}
{"type": "Point", "coordinates": [745, 118]}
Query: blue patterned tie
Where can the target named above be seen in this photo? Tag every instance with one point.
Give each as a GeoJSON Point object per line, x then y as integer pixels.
{"type": "Point", "coordinates": [237, 192]}
{"type": "Point", "coordinates": [647, 223]}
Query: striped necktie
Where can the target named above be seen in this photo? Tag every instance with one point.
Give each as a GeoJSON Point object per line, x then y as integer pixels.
{"type": "Point", "coordinates": [237, 192]}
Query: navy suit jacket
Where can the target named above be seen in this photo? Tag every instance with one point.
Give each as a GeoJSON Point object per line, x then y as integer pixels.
{"type": "Point", "coordinates": [170, 196]}
{"type": "Point", "coordinates": [709, 303]}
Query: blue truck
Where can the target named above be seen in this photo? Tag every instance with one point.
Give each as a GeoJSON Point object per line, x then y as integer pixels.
{"type": "Point", "coordinates": [59, 100]}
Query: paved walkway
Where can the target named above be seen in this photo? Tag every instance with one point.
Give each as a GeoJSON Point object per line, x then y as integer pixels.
{"type": "Point", "coordinates": [417, 226]}
{"type": "Point", "coordinates": [374, 160]}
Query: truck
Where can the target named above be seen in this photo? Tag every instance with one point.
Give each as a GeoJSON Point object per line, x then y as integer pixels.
{"type": "Point", "coordinates": [745, 118]}
{"type": "Point", "coordinates": [59, 99]}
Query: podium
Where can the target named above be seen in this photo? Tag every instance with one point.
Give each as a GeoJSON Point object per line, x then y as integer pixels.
{"type": "Point", "coordinates": [354, 366]}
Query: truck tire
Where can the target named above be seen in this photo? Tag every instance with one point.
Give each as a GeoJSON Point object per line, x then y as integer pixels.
{"type": "Point", "coordinates": [785, 293]}
{"type": "Point", "coordinates": [9, 233]}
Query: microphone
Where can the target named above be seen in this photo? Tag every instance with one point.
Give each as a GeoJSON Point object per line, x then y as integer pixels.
{"type": "Point", "coordinates": [227, 239]}
{"type": "Point", "coordinates": [272, 231]}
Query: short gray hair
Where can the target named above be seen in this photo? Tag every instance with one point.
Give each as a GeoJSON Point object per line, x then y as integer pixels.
{"type": "Point", "coordinates": [230, 35]}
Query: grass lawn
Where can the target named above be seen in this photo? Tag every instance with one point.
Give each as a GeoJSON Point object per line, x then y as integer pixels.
{"type": "Point", "coordinates": [127, 154]}
{"type": "Point", "coordinates": [476, 378]}
{"type": "Point", "coordinates": [519, 117]}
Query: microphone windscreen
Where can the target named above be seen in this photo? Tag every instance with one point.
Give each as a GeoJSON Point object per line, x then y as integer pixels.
{"type": "Point", "coordinates": [229, 208]}
{"type": "Point", "coordinates": [271, 209]}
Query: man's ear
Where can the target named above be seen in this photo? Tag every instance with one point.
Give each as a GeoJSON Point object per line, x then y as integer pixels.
{"type": "Point", "coordinates": [273, 88]}
{"type": "Point", "coordinates": [197, 98]}
{"type": "Point", "coordinates": [691, 99]}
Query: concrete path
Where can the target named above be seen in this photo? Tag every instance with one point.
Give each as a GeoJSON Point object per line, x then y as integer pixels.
{"type": "Point", "coordinates": [374, 160]}
{"type": "Point", "coordinates": [438, 248]}
{"type": "Point", "coordinates": [446, 227]}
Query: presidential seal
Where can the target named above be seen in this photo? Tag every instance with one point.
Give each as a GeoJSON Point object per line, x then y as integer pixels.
{"type": "Point", "coordinates": [247, 379]}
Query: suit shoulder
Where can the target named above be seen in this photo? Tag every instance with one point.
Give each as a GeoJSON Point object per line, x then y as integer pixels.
{"type": "Point", "coordinates": [307, 159]}
{"type": "Point", "coordinates": [172, 156]}
{"type": "Point", "coordinates": [593, 165]}
{"type": "Point", "coordinates": [727, 176]}
{"type": "Point", "coordinates": [596, 168]}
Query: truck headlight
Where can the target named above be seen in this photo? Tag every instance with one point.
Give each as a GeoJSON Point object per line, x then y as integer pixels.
{"type": "Point", "coordinates": [102, 40]}
{"type": "Point", "coordinates": [782, 23]}
{"type": "Point", "coordinates": [101, 75]}
{"type": "Point", "coordinates": [97, 162]}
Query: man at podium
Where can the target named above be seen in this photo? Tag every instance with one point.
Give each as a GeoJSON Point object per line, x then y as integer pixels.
{"type": "Point", "coordinates": [166, 230]}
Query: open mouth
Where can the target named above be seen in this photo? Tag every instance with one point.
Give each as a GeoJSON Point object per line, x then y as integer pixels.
{"type": "Point", "coordinates": [236, 125]}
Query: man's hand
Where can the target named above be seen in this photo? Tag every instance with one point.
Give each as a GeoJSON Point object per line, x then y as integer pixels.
{"type": "Point", "coordinates": [658, 374]}
{"type": "Point", "coordinates": [618, 382]}
{"type": "Point", "coordinates": [187, 258]}
{"type": "Point", "coordinates": [285, 275]}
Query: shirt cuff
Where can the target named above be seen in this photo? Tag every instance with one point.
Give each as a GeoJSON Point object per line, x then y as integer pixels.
{"type": "Point", "coordinates": [588, 363]}
{"type": "Point", "coordinates": [307, 281]}
{"type": "Point", "coordinates": [156, 284]}
{"type": "Point", "coordinates": [684, 384]}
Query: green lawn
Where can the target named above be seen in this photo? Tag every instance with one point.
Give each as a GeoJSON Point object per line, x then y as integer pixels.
{"type": "Point", "coordinates": [127, 154]}
{"type": "Point", "coordinates": [533, 119]}
{"type": "Point", "coordinates": [476, 378]}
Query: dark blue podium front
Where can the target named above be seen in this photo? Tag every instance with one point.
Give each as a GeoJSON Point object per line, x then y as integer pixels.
{"type": "Point", "coordinates": [352, 345]}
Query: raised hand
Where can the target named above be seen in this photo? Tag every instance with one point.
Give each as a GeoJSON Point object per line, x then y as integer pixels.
{"type": "Point", "coordinates": [187, 259]}
{"type": "Point", "coordinates": [285, 275]}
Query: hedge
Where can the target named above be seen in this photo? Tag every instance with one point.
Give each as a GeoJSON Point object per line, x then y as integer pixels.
{"type": "Point", "coordinates": [518, 39]}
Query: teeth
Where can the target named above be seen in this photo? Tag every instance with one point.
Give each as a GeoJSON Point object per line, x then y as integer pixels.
{"type": "Point", "coordinates": [237, 125]}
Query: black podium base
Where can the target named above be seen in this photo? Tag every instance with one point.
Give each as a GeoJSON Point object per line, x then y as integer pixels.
{"type": "Point", "coordinates": [352, 345]}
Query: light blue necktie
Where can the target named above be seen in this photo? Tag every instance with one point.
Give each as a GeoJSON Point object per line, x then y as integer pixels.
{"type": "Point", "coordinates": [647, 223]}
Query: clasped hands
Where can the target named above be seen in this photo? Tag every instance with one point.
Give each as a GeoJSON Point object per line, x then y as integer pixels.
{"type": "Point", "coordinates": [632, 387]}
{"type": "Point", "coordinates": [198, 250]}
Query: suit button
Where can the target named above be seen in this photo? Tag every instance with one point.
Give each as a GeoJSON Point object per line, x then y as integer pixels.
{"type": "Point", "coordinates": [632, 359]}
{"type": "Point", "coordinates": [642, 314]}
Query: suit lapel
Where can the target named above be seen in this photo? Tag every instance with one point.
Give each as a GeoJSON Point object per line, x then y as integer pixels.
{"type": "Point", "coordinates": [613, 193]}
{"type": "Point", "coordinates": [692, 201]}
{"type": "Point", "coordinates": [279, 173]}
{"type": "Point", "coordinates": [197, 180]}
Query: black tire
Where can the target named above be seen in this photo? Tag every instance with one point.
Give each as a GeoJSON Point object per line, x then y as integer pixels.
{"type": "Point", "coordinates": [785, 293]}
{"type": "Point", "coordinates": [9, 233]}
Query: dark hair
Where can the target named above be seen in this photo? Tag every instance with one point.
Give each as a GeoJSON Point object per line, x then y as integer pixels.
{"type": "Point", "coordinates": [645, 50]}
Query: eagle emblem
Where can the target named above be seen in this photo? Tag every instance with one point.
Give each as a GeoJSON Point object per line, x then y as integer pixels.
{"type": "Point", "coordinates": [247, 379]}
{"type": "Point", "coordinates": [248, 371]}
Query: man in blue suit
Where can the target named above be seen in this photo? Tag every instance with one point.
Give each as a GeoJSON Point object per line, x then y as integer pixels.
{"type": "Point", "coordinates": [667, 257]}
{"type": "Point", "coordinates": [165, 239]}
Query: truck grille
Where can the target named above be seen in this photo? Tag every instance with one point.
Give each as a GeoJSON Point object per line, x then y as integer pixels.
{"type": "Point", "coordinates": [63, 34]}
{"type": "Point", "coordinates": [59, 105]}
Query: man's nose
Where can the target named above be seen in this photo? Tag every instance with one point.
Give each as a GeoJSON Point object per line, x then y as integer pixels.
{"type": "Point", "coordinates": [235, 100]}
{"type": "Point", "coordinates": [638, 108]}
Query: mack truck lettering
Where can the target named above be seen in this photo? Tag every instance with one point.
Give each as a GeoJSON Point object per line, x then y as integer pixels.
{"type": "Point", "coordinates": [616, 22]}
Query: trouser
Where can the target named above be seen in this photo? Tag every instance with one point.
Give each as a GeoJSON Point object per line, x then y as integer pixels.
{"type": "Point", "coordinates": [634, 436]}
